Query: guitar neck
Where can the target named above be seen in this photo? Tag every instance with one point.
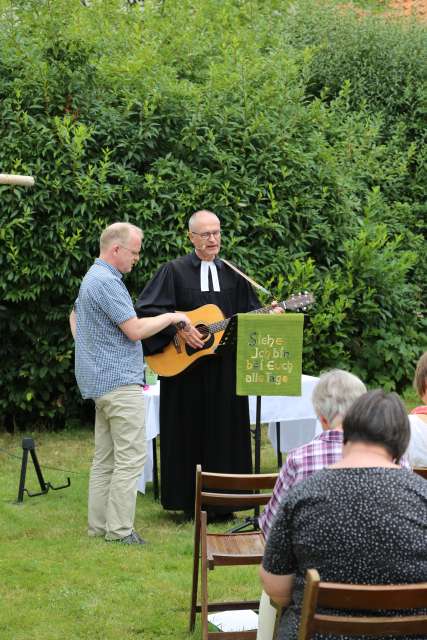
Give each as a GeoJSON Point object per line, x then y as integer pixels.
{"type": "Point", "coordinates": [222, 324]}
{"type": "Point", "coordinates": [264, 309]}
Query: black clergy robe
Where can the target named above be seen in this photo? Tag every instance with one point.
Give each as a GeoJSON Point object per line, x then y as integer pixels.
{"type": "Point", "coordinates": [202, 421]}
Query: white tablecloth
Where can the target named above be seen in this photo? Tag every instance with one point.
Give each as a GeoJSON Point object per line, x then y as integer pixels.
{"type": "Point", "coordinates": [298, 422]}
{"type": "Point", "coordinates": [152, 429]}
{"type": "Point", "coordinates": [295, 413]}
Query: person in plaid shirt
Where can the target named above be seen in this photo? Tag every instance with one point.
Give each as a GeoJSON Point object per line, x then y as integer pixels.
{"type": "Point", "coordinates": [332, 397]}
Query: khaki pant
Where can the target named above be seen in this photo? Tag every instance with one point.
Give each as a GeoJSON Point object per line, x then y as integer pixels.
{"type": "Point", "coordinates": [120, 453]}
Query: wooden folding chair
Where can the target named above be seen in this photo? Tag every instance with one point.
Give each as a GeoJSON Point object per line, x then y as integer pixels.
{"type": "Point", "coordinates": [225, 549]}
{"type": "Point", "coordinates": [421, 471]}
{"type": "Point", "coordinates": [361, 597]}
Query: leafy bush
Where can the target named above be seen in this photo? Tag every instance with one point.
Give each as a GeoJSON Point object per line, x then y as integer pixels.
{"type": "Point", "coordinates": [147, 115]}
{"type": "Point", "coordinates": [381, 58]}
{"type": "Point", "coordinates": [365, 323]}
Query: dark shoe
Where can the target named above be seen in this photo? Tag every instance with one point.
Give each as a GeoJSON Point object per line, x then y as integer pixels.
{"type": "Point", "coordinates": [132, 538]}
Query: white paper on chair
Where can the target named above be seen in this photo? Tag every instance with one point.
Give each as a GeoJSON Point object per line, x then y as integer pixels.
{"type": "Point", "coordinates": [234, 620]}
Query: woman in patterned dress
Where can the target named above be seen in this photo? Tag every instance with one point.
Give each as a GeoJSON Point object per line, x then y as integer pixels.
{"type": "Point", "coordinates": [361, 520]}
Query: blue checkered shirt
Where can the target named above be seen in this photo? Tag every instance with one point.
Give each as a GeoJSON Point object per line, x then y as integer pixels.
{"type": "Point", "coordinates": [105, 358]}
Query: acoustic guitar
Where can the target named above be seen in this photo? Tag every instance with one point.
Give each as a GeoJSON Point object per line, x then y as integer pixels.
{"type": "Point", "coordinates": [210, 322]}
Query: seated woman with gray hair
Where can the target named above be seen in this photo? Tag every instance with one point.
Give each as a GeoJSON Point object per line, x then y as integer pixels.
{"type": "Point", "coordinates": [362, 520]}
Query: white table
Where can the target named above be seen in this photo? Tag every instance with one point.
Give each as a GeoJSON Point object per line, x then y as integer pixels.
{"type": "Point", "coordinates": [152, 430]}
{"type": "Point", "coordinates": [298, 423]}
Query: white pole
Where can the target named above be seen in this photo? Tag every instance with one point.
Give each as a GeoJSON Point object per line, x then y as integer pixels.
{"type": "Point", "coordinates": [17, 180]}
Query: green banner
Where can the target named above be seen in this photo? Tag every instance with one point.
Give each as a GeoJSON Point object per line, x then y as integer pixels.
{"type": "Point", "coordinates": [269, 354]}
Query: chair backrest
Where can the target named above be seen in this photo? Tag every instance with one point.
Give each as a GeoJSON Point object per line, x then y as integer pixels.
{"type": "Point", "coordinates": [219, 489]}
{"type": "Point", "coordinates": [421, 471]}
{"type": "Point", "coordinates": [366, 598]}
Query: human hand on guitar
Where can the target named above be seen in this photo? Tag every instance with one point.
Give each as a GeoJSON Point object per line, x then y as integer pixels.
{"type": "Point", "coordinates": [191, 336]}
{"type": "Point", "coordinates": [188, 331]}
{"type": "Point", "coordinates": [180, 320]}
{"type": "Point", "coordinates": [276, 307]}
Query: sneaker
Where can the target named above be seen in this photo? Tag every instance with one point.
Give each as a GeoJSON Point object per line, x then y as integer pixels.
{"type": "Point", "coordinates": [132, 538]}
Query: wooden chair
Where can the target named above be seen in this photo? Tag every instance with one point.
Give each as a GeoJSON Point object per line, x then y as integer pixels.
{"type": "Point", "coordinates": [333, 595]}
{"type": "Point", "coordinates": [225, 549]}
{"type": "Point", "coordinates": [421, 471]}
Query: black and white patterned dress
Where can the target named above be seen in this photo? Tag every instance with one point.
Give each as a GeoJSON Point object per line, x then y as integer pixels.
{"type": "Point", "coordinates": [363, 525]}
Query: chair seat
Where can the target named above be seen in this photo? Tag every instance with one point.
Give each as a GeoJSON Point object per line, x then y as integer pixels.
{"type": "Point", "coordinates": [231, 492]}
{"type": "Point", "coordinates": [228, 548]}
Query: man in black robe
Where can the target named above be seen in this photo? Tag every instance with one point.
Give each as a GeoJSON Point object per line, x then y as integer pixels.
{"type": "Point", "coordinates": [202, 421]}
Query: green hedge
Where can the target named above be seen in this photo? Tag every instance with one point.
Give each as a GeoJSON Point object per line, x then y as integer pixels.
{"type": "Point", "coordinates": [256, 110]}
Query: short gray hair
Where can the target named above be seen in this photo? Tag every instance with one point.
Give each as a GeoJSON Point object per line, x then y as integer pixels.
{"type": "Point", "coordinates": [335, 393]}
{"type": "Point", "coordinates": [380, 418]}
{"type": "Point", "coordinates": [117, 232]}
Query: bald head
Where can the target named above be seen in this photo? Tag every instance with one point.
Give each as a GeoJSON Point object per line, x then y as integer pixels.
{"type": "Point", "coordinates": [205, 234]}
{"type": "Point", "coordinates": [202, 217]}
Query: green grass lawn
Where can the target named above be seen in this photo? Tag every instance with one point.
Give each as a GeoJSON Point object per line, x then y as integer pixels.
{"type": "Point", "coordinates": [57, 583]}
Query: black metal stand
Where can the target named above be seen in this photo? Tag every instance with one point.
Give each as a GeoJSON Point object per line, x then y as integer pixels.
{"type": "Point", "coordinates": [257, 438]}
{"type": "Point", "coordinates": [279, 452]}
{"type": "Point", "coordinates": [252, 521]}
{"type": "Point", "coordinates": [258, 435]}
{"type": "Point", "coordinates": [29, 446]}
{"type": "Point", "coordinates": [249, 521]}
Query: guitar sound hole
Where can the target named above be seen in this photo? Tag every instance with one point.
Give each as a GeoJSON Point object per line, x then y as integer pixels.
{"type": "Point", "coordinates": [207, 337]}
{"type": "Point", "coordinates": [203, 329]}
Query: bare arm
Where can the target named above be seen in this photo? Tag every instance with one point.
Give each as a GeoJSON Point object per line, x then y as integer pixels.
{"type": "Point", "coordinates": [140, 328]}
{"type": "Point", "coordinates": [73, 323]}
{"type": "Point", "coordinates": [279, 588]}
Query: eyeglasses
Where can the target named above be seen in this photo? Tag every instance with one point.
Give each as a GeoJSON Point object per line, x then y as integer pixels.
{"type": "Point", "coordinates": [134, 253]}
{"type": "Point", "coordinates": [207, 234]}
